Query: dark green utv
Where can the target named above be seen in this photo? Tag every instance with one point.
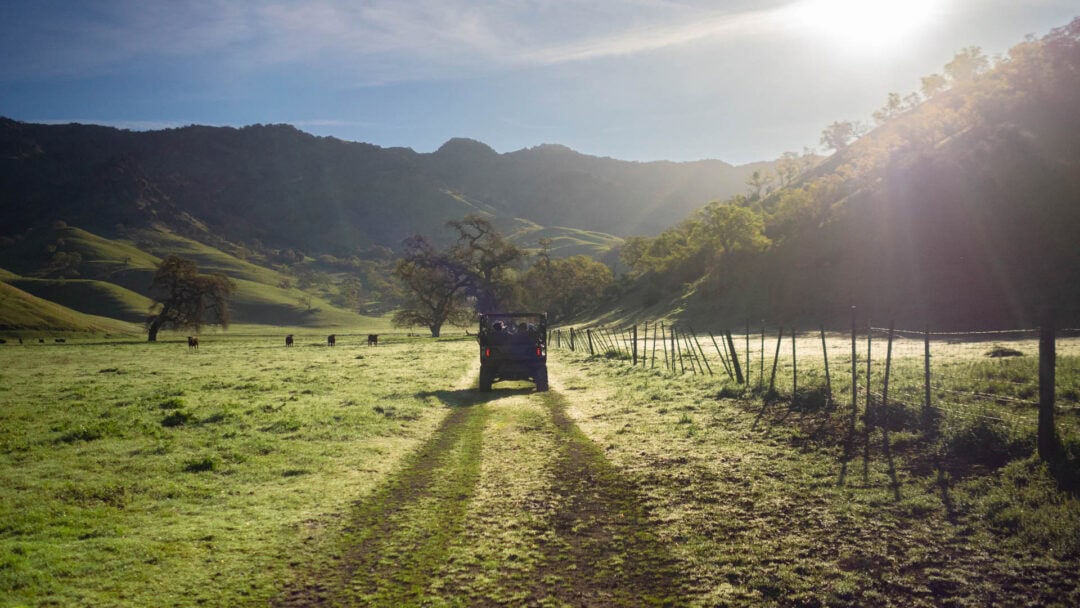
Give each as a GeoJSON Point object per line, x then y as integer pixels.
{"type": "Point", "coordinates": [513, 346]}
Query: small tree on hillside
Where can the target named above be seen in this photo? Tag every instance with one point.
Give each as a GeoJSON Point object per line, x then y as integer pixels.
{"type": "Point", "coordinates": [187, 299]}
{"type": "Point", "coordinates": [839, 134]}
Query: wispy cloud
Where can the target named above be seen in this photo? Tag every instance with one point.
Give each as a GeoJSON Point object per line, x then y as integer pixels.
{"type": "Point", "coordinates": [415, 37]}
{"type": "Point", "coordinates": [652, 38]}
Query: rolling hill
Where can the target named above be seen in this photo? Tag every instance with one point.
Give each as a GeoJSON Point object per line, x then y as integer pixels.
{"type": "Point", "coordinates": [960, 212]}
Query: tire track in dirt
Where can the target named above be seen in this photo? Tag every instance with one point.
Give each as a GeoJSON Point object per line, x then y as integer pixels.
{"type": "Point", "coordinates": [606, 553]}
{"type": "Point", "coordinates": [597, 546]}
{"type": "Point", "coordinates": [394, 535]}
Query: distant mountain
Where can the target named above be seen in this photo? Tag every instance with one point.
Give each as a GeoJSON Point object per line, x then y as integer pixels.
{"type": "Point", "coordinates": [556, 186]}
{"type": "Point", "coordinates": [274, 186]}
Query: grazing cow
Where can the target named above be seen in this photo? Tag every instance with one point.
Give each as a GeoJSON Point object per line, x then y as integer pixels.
{"type": "Point", "coordinates": [331, 340]}
{"type": "Point", "coordinates": [373, 339]}
{"type": "Point", "coordinates": [288, 340]}
{"type": "Point", "coordinates": [41, 340]}
{"type": "Point", "coordinates": [60, 340]}
{"type": "Point", "coordinates": [193, 342]}
{"type": "Point", "coordinates": [3, 341]}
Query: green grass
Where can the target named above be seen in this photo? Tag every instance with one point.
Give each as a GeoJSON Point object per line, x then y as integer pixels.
{"type": "Point", "coordinates": [90, 296]}
{"type": "Point", "coordinates": [24, 313]}
{"type": "Point", "coordinates": [147, 474]}
{"type": "Point", "coordinates": [762, 505]}
{"type": "Point", "coordinates": [246, 473]}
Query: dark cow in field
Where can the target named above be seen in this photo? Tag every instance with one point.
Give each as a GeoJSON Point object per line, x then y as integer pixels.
{"type": "Point", "coordinates": [373, 339]}
{"type": "Point", "coordinates": [193, 342]}
{"type": "Point", "coordinates": [60, 340]}
{"type": "Point", "coordinates": [288, 340]}
{"type": "Point", "coordinates": [331, 340]}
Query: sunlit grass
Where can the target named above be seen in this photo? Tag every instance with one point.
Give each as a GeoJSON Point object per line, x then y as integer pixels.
{"type": "Point", "coordinates": [147, 474]}
{"type": "Point", "coordinates": [761, 502]}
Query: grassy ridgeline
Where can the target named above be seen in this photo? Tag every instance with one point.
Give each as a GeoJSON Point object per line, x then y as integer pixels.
{"type": "Point", "coordinates": [147, 474]}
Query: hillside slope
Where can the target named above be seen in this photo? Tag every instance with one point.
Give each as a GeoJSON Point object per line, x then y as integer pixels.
{"type": "Point", "coordinates": [24, 312]}
{"type": "Point", "coordinates": [85, 272]}
{"type": "Point", "coordinates": [958, 213]}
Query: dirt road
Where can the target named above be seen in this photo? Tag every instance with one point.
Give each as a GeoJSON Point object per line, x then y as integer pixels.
{"type": "Point", "coordinates": [508, 503]}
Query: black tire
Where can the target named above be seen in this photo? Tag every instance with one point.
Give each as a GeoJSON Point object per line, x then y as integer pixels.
{"type": "Point", "coordinates": [541, 379]}
{"type": "Point", "coordinates": [487, 376]}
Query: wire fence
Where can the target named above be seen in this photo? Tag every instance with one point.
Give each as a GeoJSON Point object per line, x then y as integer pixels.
{"type": "Point", "coordinates": [912, 376]}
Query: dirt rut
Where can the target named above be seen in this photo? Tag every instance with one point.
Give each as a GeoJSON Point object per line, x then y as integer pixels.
{"type": "Point", "coordinates": [411, 543]}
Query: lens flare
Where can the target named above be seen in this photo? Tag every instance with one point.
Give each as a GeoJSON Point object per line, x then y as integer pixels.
{"type": "Point", "coordinates": [865, 25]}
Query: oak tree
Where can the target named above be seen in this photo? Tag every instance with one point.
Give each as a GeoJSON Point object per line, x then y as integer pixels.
{"type": "Point", "coordinates": [185, 299]}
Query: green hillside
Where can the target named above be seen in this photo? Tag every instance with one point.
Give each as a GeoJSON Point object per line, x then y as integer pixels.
{"type": "Point", "coordinates": [960, 211]}
{"type": "Point", "coordinates": [565, 241]}
{"type": "Point", "coordinates": [24, 312]}
{"type": "Point", "coordinates": [92, 297]}
{"type": "Point", "coordinates": [96, 275]}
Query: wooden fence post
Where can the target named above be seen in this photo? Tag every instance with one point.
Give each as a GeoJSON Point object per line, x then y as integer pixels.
{"type": "Point", "coordinates": [652, 364]}
{"type": "Point", "coordinates": [748, 366]}
{"type": "Point", "coordinates": [678, 351]}
{"type": "Point", "coordinates": [828, 377]}
{"type": "Point", "coordinates": [854, 374]}
{"type": "Point", "coordinates": [885, 386]}
{"type": "Point", "coordinates": [704, 359]}
{"type": "Point", "coordinates": [635, 345]}
{"type": "Point", "coordinates": [588, 334]}
{"type": "Point", "coordinates": [761, 366]}
{"type": "Point", "coordinates": [794, 369]}
{"type": "Point", "coordinates": [727, 368]}
{"type": "Point", "coordinates": [571, 338]}
{"type": "Point", "coordinates": [1047, 363]}
{"type": "Point", "coordinates": [926, 379]}
{"type": "Point", "coordinates": [695, 365]}
{"type": "Point", "coordinates": [869, 342]}
{"type": "Point", "coordinates": [776, 359]}
{"type": "Point", "coordinates": [663, 342]}
{"type": "Point", "coordinates": [645, 345]}
{"type": "Point", "coordinates": [735, 359]}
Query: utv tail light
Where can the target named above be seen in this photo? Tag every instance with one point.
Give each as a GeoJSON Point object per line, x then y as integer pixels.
{"type": "Point", "coordinates": [539, 352]}
{"type": "Point", "coordinates": [487, 353]}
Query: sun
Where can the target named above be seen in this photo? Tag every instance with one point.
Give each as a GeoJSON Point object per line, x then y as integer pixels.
{"type": "Point", "coordinates": [865, 25]}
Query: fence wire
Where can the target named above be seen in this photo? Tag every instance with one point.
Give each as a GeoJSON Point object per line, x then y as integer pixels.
{"type": "Point", "coordinates": [989, 376]}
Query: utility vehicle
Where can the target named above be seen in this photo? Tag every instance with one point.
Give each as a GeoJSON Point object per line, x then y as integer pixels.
{"type": "Point", "coordinates": [513, 346]}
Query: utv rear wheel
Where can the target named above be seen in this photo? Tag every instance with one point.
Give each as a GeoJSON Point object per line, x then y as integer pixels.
{"type": "Point", "coordinates": [487, 376]}
{"type": "Point", "coordinates": [541, 379]}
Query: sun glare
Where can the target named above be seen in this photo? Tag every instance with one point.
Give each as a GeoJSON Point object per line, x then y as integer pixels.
{"type": "Point", "coordinates": [865, 25]}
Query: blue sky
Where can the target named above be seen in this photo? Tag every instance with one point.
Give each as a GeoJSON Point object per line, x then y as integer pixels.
{"type": "Point", "coordinates": [634, 79]}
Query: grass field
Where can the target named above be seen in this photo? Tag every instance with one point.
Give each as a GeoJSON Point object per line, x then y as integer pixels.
{"type": "Point", "coordinates": [248, 474]}
{"type": "Point", "coordinates": [144, 474]}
